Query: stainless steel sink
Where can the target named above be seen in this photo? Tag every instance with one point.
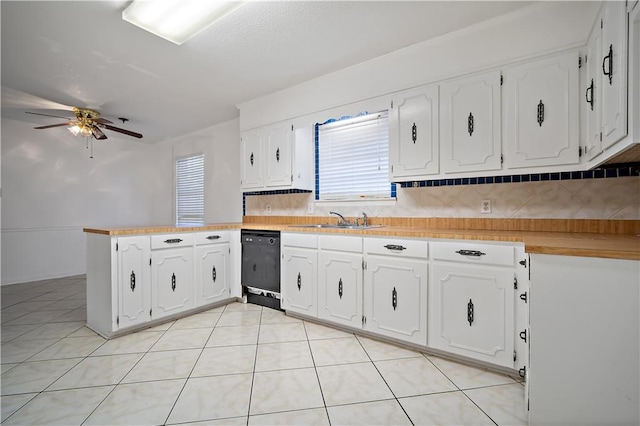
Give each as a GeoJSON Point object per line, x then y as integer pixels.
{"type": "Point", "coordinates": [334, 226]}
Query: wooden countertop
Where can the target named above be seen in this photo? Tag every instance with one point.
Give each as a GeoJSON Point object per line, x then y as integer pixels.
{"type": "Point", "coordinates": [622, 245]}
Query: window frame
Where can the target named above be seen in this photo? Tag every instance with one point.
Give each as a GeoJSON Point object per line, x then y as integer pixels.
{"type": "Point", "coordinates": [176, 199]}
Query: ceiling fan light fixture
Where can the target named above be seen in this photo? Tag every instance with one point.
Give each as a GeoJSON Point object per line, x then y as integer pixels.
{"type": "Point", "coordinates": [75, 129]}
{"type": "Point", "coordinates": [177, 20]}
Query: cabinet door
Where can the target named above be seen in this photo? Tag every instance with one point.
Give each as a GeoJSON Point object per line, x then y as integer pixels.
{"type": "Point", "coordinates": [278, 148]}
{"type": "Point", "coordinates": [541, 112]}
{"type": "Point", "coordinates": [300, 280]}
{"type": "Point", "coordinates": [613, 68]}
{"type": "Point", "coordinates": [592, 96]}
{"type": "Point", "coordinates": [251, 162]}
{"type": "Point", "coordinates": [470, 124]}
{"type": "Point", "coordinates": [172, 281]}
{"type": "Point", "coordinates": [134, 295]}
{"type": "Point", "coordinates": [413, 134]}
{"type": "Point", "coordinates": [471, 312]}
{"type": "Point", "coordinates": [212, 273]}
{"type": "Point", "coordinates": [395, 298]}
{"type": "Point", "coordinates": [340, 288]}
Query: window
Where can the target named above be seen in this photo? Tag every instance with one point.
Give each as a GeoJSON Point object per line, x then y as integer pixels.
{"type": "Point", "coordinates": [190, 190]}
{"type": "Point", "coordinates": [353, 158]}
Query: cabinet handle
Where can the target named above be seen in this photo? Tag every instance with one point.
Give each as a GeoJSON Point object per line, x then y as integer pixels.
{"type": "Point", "coordinates": [173, 241]}
{"type": "Point", "coordinates": [523, 297]}
{"type": "Point", "coordinates": [395, 247]}
{"type": "Point", "coordinates": [132, 280]}
{"type": "Point", "coordinates": [523, 335]}
{"type": "Point", "coordinates": [214, 274]}
{"type": "Point", "coordinates": [173, 282]}
{"type": "Point", "coordinates": [251, 159]}
{"type": "Point", "coordinates": [609, 57]}
{"type": "Point", "coordinates": [278, 155]}
{"type": "Point", "coordinates": [522, 372]}
{"type": "Point", "coordinates": [586, 95]}
{"type": "Point", "coordinates": [340, 288]}
{"type": "Point", "coordinates": [470, 124]}
{"type": "Point", "coordinates": [299, 281]}
{"type": "Point", "coordinates": [213, 237]}
{"type": "Point", "coordinates": [540, 113]}
{"type": "Point", "coordinates": [414, 133]}
{"type": "Point", "coordinates": [470, 312]}
{"type": "Point", "coordinates": [394, 299]}
{"type": "Point", "coordinates": [476, 253]}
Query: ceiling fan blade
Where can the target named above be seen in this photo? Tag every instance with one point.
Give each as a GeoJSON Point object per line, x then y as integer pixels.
{"type": "Point", "coordinates": [48, 115]}
{"type": "Point", "coordinates": [126, 132]}
{"type": "Point", "coordinates": [54, 125]}
{"type": "Point", "coordinates": [102, 120]}
{"type": "Point", "coordinates": [97, 133]}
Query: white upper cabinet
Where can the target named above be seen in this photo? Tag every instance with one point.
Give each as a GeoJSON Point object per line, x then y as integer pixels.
{"type": "Point", "coordinates": [541, 112]}
{"type": "Point", "coordinates": [591, 99]}
{"type": "Point", "coordinates": [278, 156]}
{"type": "Point", "coordinates": [278, 150]}
{"type": "Point", "coordinates": [251, 163]}
{"type": "Point", "coordinates": [413, 134]}
{"type": "Point", "coordinates": [470, 124]}
{"type": "Point", "coordinates": [613, 61]}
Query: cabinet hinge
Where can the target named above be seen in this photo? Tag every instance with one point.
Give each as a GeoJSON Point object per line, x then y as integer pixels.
{"type": "Point", "coordinates": [116, 246]}
{"type": "Point", "coordinates": [364, 265]}
{"type": "Point", "coordinates": [579, 62]}
{"type": "Point", "coordinates": [229, 250]}
{"type": "Point", "coordinates": [600, 136]}
{"type": "Point", "coordinates": [391, 104]}
{"type": "Point", "coordinates": [501, 158]}
{"type": "Point", "coordinates": [515, 356]}
{"type": "Point", "coordinates": [392, 168]}
{"type": "Point", "coordinates": [364, 320]}
{"type": "Point", "coordinates": [515, 283]}
{"type": "Point", "coordinates": [501, 79]}
{"type": "Point", "coordinates": [579, 151]}
{"type": "Point", "coordinates": [150, 312]}
{"type": "Point", "coordinates": [292, 127]}
{"type": "Point", "coordinates": [291, 178]}
{"type": "Point", "coordinates": [601, 23]}
{"type": "Point", "coordinates": [149, 261]}
{"type": "Point", "coordinates": [117, 320]}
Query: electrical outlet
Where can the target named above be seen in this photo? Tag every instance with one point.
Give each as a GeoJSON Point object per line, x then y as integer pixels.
{"type": "Point", "coordinates": [485, 207]}
{"type": "Point", "coordinates": [310, 208]}
{"type": "Point", "coordinates": [268, 208]}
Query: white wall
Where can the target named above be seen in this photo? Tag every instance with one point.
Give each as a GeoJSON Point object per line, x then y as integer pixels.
{"type": "Point", "coordinates": [52, 189]}
{"type": "Point", "coordinates": [527, 32]}
{"type": "Point", "coordinates": [221, 147]}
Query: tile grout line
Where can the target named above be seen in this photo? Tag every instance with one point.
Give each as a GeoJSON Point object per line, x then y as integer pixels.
{"type": "Point", "coordinates": [186, 380]}
{"type": "Point", "coordinates": [384, 380]}
{"type": "Point", "coordinates": [315, 369]}
{"type": "Point", "coordinates": [255, 362]}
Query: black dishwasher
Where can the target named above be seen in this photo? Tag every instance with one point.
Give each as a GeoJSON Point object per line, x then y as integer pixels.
{"type": "Point", "coordinates": [261, 267]}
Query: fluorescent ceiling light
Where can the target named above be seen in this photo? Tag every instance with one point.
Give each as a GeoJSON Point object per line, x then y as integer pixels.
{"type": "Point", "coordinates": [177, 20]}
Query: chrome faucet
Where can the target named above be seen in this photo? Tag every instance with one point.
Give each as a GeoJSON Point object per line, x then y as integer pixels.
{"type": "Point", "coordinates": [342, 220]}
{"type": "Point", "coordinates": [365, 219]}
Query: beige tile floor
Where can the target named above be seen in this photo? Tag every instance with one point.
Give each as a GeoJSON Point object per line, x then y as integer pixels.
{"type": "Point", "coordinates": [237, 365]}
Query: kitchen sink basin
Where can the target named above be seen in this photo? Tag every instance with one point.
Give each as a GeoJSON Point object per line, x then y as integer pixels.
{"type": "Point", "coordinates": [334, 226]}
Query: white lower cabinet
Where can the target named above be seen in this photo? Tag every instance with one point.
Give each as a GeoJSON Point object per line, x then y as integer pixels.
{"type": "Point", "coordinates": [212, 267]}
{"type": "Point", "coordinates": [134, 281]}
{"type": "Point", "coordinates": [471, 312]}
{"type": "Point", "coordinates": [471, 300]}
{"type": "Point", "coordinates": [172, 280]}
{"type": "Point", "coordinates": [395, 289]}
{"type": "Point", "coordinates": [340, 280]}
{"type": "Point", "coordinates": [299, 273]}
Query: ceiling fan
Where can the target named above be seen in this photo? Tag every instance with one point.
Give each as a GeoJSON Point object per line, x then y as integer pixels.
{"type": "Point", "coordinates": [88, 122]}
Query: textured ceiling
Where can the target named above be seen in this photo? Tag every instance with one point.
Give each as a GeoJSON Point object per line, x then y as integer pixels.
{"type": "Point", "coordinates": [60, 54]}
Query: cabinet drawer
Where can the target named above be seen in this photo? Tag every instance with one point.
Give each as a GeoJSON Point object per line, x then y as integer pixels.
{"type": "Point", "coordinates": [299, 240]}
{"type": "Point", "coordinates": [393, 247]}
{"type": "Point", "coordinates": [340, 243]}
{"type": "Point", "coordinates": [171, 241]}
{"type": "Point", "coordinates": [466, 252]}
{"type": "Point", "coordinates": [212, 237]}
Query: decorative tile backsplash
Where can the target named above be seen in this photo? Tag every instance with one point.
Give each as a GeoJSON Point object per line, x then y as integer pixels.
{"type": "Point", "coordinates": [595, 194]}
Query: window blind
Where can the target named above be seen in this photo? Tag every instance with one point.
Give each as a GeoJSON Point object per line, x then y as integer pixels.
{"type": "Point", "coordinates": [190, 190]}
{"type": "Point", "coordinates": [353, 158]}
